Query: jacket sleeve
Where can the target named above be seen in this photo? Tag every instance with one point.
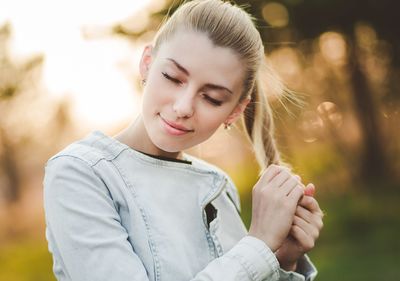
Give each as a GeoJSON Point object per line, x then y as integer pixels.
{"type": "Point", "coordinates": [86, 237]}
{"type": "Point", "coordinates": [305, 271]}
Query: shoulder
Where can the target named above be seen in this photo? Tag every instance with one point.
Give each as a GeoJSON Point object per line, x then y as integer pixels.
{"type": "Point", "coordinates": [90, 150]}
{"type": "Point", "coordinates": [71, 172]}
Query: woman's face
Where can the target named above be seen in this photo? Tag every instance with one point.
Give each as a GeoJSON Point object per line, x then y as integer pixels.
{"type": "Point", "coordinates": [192, 87]}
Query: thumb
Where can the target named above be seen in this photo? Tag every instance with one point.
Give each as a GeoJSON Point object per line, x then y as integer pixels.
{"type": "Point", "coordinates": [309, 190]}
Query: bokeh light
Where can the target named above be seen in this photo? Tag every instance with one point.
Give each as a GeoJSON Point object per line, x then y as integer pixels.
{"type": "Point", "coordinates": [330, 114]}
{"type": "Point", "coordinates": [333, 48]}
{"type": "Point", "coordinates": [310, 126]}
{"type": "Point", "coordinates": [275, 14]}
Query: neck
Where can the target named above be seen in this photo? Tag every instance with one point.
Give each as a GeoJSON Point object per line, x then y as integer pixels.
{"type": "Point", "coordinates": [136, 137]}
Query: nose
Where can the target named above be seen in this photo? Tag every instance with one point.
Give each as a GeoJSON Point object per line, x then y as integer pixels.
{"type": "Point", "coordinates": [183, 105]}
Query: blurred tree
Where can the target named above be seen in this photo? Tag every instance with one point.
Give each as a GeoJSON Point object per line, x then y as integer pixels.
{"type": "Point", "coordinates": [12, 78]}
{"type": "Point", "coordinates": [373, 162]}
{"type": "Point", "coordinates": [20, 99]}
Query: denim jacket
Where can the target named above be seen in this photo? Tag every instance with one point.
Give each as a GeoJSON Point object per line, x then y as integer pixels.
{"type": "Point", "coordinates": [116, 214]}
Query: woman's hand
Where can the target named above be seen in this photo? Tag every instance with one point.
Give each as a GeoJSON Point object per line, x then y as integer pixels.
{"type": "Point", "coordinates": [275, 197]}
{"type": "Point", "coordinates": [305, 230]}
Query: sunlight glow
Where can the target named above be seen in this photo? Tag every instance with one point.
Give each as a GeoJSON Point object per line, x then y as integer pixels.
{"type": "Point", "coordinates": [93, 72]}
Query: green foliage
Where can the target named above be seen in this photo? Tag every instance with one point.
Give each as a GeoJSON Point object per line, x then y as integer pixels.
{"type": "Point", "coordinates": [26, 260]}
{"type": "Point", "coordinates": [359, 240]}
{"type": "Point", "coordinates": [319, 162]}
{"type": "Point", "coordinates": [360, 237]}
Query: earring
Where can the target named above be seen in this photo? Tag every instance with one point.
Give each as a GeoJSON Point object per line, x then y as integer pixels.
{"type": "Point", "coordinates": [143, 82]}
{"type": "Point", "coordinates": [227, 126]}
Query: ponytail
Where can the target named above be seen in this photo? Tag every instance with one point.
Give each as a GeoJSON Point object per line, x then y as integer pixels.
{"type": "Point", "coordinates": [259, 126]}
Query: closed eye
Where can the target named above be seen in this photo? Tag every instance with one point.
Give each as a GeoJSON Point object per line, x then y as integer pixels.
{"type": "Point", "coordinates": [212, 100]}
{"type": "Point", "coordinates": [176, 81]}
{"type": "Point", "coordinates": [206, 97]}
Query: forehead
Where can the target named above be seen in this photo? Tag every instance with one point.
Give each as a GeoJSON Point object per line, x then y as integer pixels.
{"type": "Point", "coordinates": [196, 52]}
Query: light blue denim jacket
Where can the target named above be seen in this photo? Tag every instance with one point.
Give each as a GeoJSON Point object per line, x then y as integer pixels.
{"type": "Point", "coordinates": [115, 214]}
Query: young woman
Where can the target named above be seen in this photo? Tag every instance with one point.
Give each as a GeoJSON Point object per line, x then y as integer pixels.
{"type": "Point", "coordinates": [135, 207]}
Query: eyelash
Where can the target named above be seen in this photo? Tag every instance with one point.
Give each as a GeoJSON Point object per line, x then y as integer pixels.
{"type": "Point", "coordinates": [176, 81]}
{"type": "Point", "coordinates": [208, 98]}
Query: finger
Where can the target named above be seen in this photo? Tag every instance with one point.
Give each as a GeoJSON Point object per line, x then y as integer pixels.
{"type": "Point", "coordinates": [296, 193]}
{"type": "Point", "coordinates": [267, 175]}
{"type": "Point", "coordinates": [313, 219]}
{"type": "Point", "coordinates": [304, 214]}
{"type": "Point", "coordinates": [299, 180]}
{"type": "Point", "coordinates": [288, 185]}
{"type": "Point", "coordinates": [311, 204]}
{"type": "Point", "coordinates": [298, 177]}
{"type": "Point", "coordinates": [308, 228]}
{"type": "Point", "coordinates": [305, 240]}
{"type": "Point", "coordinates": [270, 172]}
{"type": "Point", "coordinates": [282, 177]}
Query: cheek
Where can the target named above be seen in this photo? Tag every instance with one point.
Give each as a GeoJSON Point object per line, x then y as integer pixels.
{"type": "Point", "coordinates": [210, 120]}
{"type": "Point", "coordinates": [155, 94]}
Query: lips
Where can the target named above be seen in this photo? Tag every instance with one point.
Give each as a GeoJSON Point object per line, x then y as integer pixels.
{"type": "Point", "coordinates": [177, 128]}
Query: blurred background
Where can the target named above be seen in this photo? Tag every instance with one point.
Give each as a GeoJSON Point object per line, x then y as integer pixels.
{"type": "Point", "coordinates": [70, 67]}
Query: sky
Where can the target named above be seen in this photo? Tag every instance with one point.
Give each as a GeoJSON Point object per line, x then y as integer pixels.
{"type": "Point", "coordinates": [93, 72]}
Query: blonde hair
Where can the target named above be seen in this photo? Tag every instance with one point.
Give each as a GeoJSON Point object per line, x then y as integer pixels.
{"type": "Point", "coordinates": [230, 26]}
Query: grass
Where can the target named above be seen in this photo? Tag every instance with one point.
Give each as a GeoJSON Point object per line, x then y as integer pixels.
{"type": "Point", "coordinates": [361, 237]}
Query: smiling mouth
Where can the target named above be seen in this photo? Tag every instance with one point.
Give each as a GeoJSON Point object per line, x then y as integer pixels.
{"type": "Point", "coordinates": [174, 128]}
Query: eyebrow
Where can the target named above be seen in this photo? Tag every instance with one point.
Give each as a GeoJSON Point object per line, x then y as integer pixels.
{"type": "Point", "coordinates": [208, 85]}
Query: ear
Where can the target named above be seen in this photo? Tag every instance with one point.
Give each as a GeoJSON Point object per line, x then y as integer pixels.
{"type": "Point", "coordinates": [145, 61]}
{"type": "Point", "coordinates": [237, 111]}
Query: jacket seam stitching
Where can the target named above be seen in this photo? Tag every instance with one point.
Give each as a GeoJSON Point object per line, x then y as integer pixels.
{"type": "Point", "coordinates": [144, 217]}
